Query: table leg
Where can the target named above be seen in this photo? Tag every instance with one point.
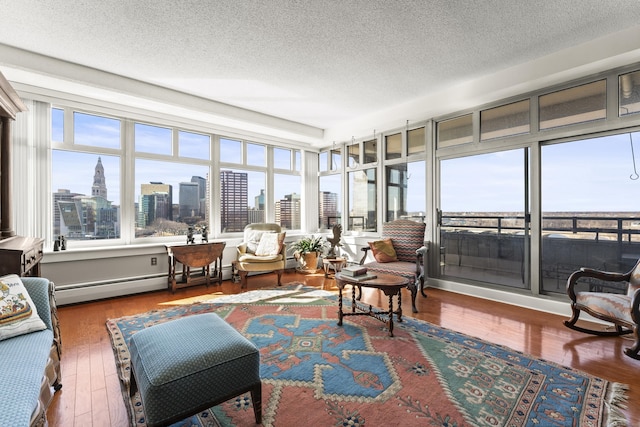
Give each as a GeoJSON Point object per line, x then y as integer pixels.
{"type": "Point", "coordinates": [390, 322]}
{"type": "Point", "coordinates": [399, 310]}
{"type": "Point", "coordinates": [339, 305]}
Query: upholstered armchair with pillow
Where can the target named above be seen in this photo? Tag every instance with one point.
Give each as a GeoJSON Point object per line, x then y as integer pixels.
{"type": "Point", "coordinates": [585, 289]}
{"type": "Point", "coordinates": [262, 250]}
{"type": "Point", "coordinates": [401, 251]}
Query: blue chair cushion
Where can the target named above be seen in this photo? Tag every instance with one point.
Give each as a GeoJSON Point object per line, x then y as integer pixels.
{"type": "Point", "coordinates": [186, 365]}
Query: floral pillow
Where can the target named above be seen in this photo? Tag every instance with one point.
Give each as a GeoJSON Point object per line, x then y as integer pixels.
{"type": "Point", "coordinates": [383, 250]}
{"type": "Point", "coordinates": [270, 244]}
{"type": "Point", "coordinates": [18, 313]}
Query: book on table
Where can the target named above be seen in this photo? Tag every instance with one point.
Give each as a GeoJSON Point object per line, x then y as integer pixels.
{"type": "Point", "coordinates": [363, 277]}
{"type": "Point", "coordinates": [354, 270]}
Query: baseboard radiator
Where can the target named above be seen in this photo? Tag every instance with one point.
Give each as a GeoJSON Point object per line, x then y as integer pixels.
{"type": "Point", "coordinates": [92, 291]}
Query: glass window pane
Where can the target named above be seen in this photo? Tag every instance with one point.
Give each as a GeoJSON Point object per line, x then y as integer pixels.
{"type": "Point", "coordinates": [455, 131]}
{"type": "Point", "coordinates": [287, 196]}
{"type": "Point", "coordinates": [323, 161]}
{"type": "Point", "coordinates": [330, 201]}
{"type": "Point", "coordinates": [483, 230]}
{"type": "Point", "coordinates": [57, 125]}
{"type": "Point", "coordinates": [629, 98]}
{"type": "Point", "coordinates": [297, 155]}
{"type": "Point", "coordinates": [153, 139]}
{"type": "Point", "coordinates": [393, 146]}
{"type": "Point", "coordinates": [281, 158]}
{"type": "Point", "coordinates": [96, 131]}
{"type": "Point", "coordinates": [86, 195]}
{"type": "Point", "coordinates": [415, 141]}
{"type": "Point", "coordinates": [506, 120]}
{"type": "Point", "coordinates": [169, 197]}
{"type": "Point", "coordinates": [336, 159]}
{"type": "Point", "coordinates": [354, 155]}
{"type": "Point", "coordinates": [590, 217]}
{"type": "Point", "coordinates": [371, 151]}
{"type": "Point", "coordinates": [363, 200]}
{"type": "Point", "coordinates": [256, 155]}
{"type": "Point", "coordinates": [237, 187]}
{"type": "Point", "coordinates": [574, 105]}
{"type": "Point", "coordinates": [230, 151]}
{"type": "Point", "coordinates": [406, 191]}
{"type": "Point", "coordinates": [194, 145]}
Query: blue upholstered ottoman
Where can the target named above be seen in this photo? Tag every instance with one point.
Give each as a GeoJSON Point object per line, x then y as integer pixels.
{"type": "Point", "coordinates": [185, 366]}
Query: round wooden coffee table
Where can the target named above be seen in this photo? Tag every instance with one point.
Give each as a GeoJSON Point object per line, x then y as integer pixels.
{"type": "Point", "coordinates": [390, 284]}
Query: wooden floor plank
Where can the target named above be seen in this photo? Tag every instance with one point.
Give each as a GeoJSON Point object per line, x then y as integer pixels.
{"type": "Point", "coordinates": [86, 342]}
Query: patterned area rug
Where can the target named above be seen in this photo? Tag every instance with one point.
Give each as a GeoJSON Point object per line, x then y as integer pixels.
{"type": "Point", "coordinates": [316, 373]}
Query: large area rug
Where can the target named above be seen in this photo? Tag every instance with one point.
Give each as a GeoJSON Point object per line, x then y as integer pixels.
{"type": "Point", "coordinates": [316, 373]}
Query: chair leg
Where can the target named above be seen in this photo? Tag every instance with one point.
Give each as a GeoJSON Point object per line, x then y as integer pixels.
{"type": "Point", "coordinates": [633, 351]}
{"type": "Point", "coordinates": [422, 286]}
{"type": "Point", "coordinates": [243, 279]}
{"type": "Point", "coordinates": [279, 273]}
{"type": "Point", "coordinates": [256, 398]}
{"type": "Point", "coordinates": [414, 292]}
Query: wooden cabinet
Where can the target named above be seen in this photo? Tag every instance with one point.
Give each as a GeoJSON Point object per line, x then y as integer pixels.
{"type": "Point", "coordinates": [197, 256]}
{"type": "Point", "coordinates": [21, 255]}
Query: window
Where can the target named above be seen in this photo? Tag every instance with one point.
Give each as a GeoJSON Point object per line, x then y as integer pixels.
{"type": "Point", "coordinates": [354, 155]}
{"type": "Point", "coordinates": [85, 186]}
{"type": "Point", "coordinates": [483, 235]}
{"type": "Point", "coordinates": [406, 192]}
{"type": "Point", "coordinates": [393, 146]}
{"type": "Point", "coordinates": [589, 213]}
{"type": "Point", "coordinates": [153, 139]}
{"type": "Point", "coordinates": [455, 131]}
{"type": "Point", "coordinates": [370, 151]}
{"type": "Point", "coordinates": [287, 205]}
{"type": "Point", "coordinates": [57, 125]}
{"type": "Point", "coordinates": [363, 210]}
{"type": "Point", "coordinates": [95, 131]}
{"type": "Point", "coordinates": [194, 145]}
{"type": "Point", "coordinates": [415, 141]}
{"type": "Point", "coordinates": [336, 159]}
{"type": "Point", "coordinates": [330, 201]}
{"type": "Point", "coordinates": [83, 208]}
{"type": "Point", "coordinates": [243, 199]}
{"type": "Point", "coordinates": [629, 93]}
{"type": "Point", "coordinates": [170, 197]}
{"type": "Point", "coordinates": [282, 158]}
{"type": "Point", "coordinates": [506, 120]}
{"type": "Point", "coordinates": [256, 155]}
{"type": "Point", "coordinates": [574, 105]}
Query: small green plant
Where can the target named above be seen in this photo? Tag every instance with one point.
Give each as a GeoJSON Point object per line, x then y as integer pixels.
{"type": "Point", "coordinates": [307, 245]}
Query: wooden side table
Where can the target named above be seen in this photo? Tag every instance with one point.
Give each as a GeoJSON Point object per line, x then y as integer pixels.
{"type": "Point", "coordinates": [334, 264]}
{"type": "Point", "coordinates": [390, 284]}
{"type": "Point", "coordinates": [200, 255]}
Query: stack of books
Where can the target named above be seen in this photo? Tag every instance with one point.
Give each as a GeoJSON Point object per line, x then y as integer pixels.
{"type": "Point", "coordinates": [357, 273]}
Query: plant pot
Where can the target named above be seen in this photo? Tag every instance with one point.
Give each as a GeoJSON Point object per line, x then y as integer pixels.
{"type": "Point", "coordinates": [308, 262]}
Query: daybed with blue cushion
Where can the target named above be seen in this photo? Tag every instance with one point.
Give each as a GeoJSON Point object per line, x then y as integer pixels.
{"type": "Point", "coordinates": [29, 350]}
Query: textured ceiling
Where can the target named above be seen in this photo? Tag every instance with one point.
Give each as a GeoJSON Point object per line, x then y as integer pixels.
{"type": "Point", "coordinates": [316, 62]}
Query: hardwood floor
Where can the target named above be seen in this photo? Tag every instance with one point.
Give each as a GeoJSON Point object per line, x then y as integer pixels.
{"type": "Point", "coordinates": [90, 395]}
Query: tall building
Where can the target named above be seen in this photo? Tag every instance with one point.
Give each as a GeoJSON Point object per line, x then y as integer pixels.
{"type": "Point", "coordinates": [156, 202]}
{"type": "Point", "coordinates": [234, 206]}
{"type": "Point", "coordinates": [99, 187]}
{"type": "Point", "coordinates": [77, 216]}
{"type": "Point", "coordinates": [329, 215]}
{"type": "Point", "coordinates": [202, 194]}
{"type": "Point", "coordinates": [189, 200]}
{"type": "Point", "coordinates": [288, 212]}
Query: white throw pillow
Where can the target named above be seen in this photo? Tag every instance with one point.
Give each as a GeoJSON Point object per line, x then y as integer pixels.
{"type": "Point", "coordinates": [270, 244]}
{"type": "Point", "coordinates": [18, 313]}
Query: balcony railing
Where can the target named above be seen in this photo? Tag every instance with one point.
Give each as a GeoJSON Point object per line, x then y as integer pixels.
{"type": "Point", "coordinates": [492, 247]}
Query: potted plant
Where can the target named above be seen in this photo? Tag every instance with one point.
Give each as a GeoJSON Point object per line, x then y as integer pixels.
{"type": "Point", "coordinates": [306, 250]}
